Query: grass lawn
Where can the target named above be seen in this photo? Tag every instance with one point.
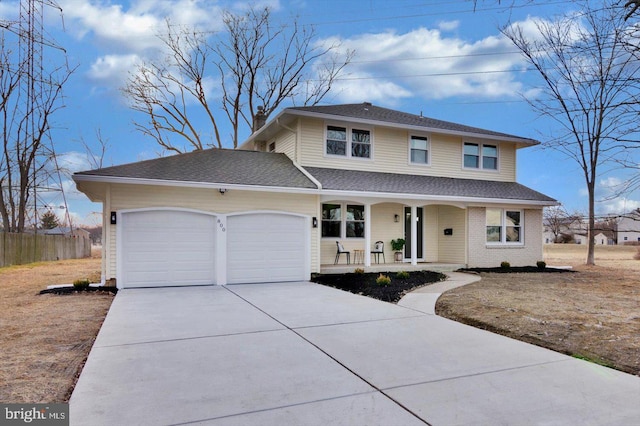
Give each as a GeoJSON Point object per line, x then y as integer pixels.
{"type": "Point", "coordinates": [46, 338]}
{"type": "Point", "coordinates": [591, 314]}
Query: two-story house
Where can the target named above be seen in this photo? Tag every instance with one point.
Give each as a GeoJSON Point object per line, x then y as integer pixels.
{"type": "Point", "coordinates": [312, 177]}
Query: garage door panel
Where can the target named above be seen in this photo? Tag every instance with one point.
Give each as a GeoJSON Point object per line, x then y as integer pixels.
{"type": "Point", "coordinates": [167, 248]}
{"type": "Point", "coordinates": [266, 247]}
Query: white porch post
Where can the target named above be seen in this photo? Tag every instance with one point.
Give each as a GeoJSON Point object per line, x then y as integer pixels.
{"type": "Point", "coordinates": [414, 235]}
{"type": "Point", "coordinates": [367, 234]}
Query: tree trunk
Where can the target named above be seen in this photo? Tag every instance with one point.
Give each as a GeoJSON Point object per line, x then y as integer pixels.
{"type": "Point", "coordinates": [592, 224]}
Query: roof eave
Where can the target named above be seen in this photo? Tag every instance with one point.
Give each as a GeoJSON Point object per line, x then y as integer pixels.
{"type": "Point", "coordinates": [315, 191]}
{"type": "Point", "coordinates": [437, 198]}
{"type": "Point", "coordinates": [311, 114]}
{"type": "Point", "coordinates": [189, 184]}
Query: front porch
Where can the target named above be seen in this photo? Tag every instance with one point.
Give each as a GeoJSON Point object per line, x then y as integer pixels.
{"type": "Point", "coordinates": [434, 234]}
{"type": "Point", "coordinates": [343, 268]}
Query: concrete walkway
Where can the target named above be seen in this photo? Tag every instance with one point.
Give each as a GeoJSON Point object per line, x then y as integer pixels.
{"type": "Point", "coordinates": [305, 354]}
{"type": "Point", "coordinates": [424, 299]}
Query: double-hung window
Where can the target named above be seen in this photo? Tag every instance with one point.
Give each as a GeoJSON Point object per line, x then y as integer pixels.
{"type": "Point", "coordinates": [335, 224]}
{"type": "Point", "coordinates": [348, 142]}
{"type": "Point", "coordinates": [419, 150]}
{"type": "Point", "coordinates": [504, 226]}
{"type": "Point", "coordinates": [479, 156]}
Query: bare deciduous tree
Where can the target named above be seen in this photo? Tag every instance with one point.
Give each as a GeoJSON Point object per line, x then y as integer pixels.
{"type": "Point", "coordinates": [589, 87]}
{"type": "Point", "coordinates": [24, 128]}
{"type": "Point", "coordinates": [252, 65]}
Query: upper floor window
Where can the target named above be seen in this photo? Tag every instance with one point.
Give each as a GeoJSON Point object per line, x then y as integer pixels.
{"type": "Point", "coordinates": [504, 226]}
{"type": "Point", "coordinates": [478, 156]}
{"type": "Point", "coordinates": [419, 150]}
{"type": "Point", "coordinates": [348, 142]}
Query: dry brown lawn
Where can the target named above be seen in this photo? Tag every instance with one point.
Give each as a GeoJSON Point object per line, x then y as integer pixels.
{"type": "Point", "coordinates": [46, 338]}
{"type": "Point", "coordinates": [592, 313]}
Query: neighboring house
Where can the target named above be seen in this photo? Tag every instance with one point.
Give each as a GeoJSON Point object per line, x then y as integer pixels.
{"type": "Point", "coordinates": [629, 229]}
{"type": "Point", "coordinates": [66, 231]}
{"type": "Point", "coordinates": [601, 239]}
{"type": "Point", "coordinates": [274, 209]}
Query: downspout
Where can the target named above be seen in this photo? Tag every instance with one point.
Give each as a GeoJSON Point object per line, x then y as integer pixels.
{"type": "Point", "coordinates": [106, 232]}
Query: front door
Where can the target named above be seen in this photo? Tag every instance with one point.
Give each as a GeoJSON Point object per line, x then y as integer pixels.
{"type": "Point", "coordinates": [407, 232]}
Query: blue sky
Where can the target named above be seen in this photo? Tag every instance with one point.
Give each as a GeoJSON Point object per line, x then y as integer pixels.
{"type": "Point", "coordinates": [439, 58]}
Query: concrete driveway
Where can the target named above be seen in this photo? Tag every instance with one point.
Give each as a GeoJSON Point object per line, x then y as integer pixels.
{"type": "Point", "coordinates": [305, 354]}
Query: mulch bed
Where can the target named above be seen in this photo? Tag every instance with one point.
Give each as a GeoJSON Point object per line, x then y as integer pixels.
{"type": "Point", "coordinates": [365, 283]}
{"type": "Point", "coordinates": [74, 290]}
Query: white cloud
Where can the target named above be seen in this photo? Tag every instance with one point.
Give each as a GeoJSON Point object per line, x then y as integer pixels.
{"type": "Point", "coordinates": [448, 25]}
{"type": "Point", "coordinates": [427, 64]}
{"type": "Point", "coordinates": [618, 206]}
{"type": "Point", "coordinates": [113, 68]}
{"type": "Point", "coordinates": [73, 161]}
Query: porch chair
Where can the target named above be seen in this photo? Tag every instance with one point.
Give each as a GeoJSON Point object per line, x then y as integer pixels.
{"type": "Point", "coordinates": [379, 250]}
{"type": "Point", "coordinates": [340, 251]}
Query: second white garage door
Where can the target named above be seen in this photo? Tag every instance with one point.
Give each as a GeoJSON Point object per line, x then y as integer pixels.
{"type": "Point", "coordinates": [267, 247]}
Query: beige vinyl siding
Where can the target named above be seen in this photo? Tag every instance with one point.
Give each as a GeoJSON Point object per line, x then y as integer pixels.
{"type": "Point", "coordinates": [286, 143]}
{"type": "Point", "coordinates": [431, 234]}
{"type": "Point", "coordinates": [209, 200]}
{"type": "Point", "coordinates": [390, 153]}
{"type": "Point", "coordinates": [481, 255]}
{"type": "Point", "coordinates": [384, 228]}
{"type": "Point", "coordinates": [451, 248]}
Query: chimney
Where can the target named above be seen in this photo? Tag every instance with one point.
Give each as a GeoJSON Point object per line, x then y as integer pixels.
{"type": "Point", "coordinates": [259, 119]}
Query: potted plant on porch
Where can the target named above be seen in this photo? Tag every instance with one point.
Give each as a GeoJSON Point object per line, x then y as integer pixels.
{"type": "Point", "coordinates": [397, 246]}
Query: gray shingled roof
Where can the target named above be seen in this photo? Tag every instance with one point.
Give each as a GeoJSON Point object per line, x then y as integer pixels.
{"type": "Point", "coordinates": [367, 111]}
{"type": "Point", "coordinates": [223, 166]}
{"type": "Point", "coordinates": [351, 180]}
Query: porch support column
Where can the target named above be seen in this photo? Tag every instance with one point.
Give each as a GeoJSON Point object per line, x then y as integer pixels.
{"type": "Point", "coordinates": [414, 235]}
{"type": "Point", "coordinates": [367, 235]}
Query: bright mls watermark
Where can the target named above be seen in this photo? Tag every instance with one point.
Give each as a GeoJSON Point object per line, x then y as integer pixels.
{"type": "Point", "coordinates": [34, 414]}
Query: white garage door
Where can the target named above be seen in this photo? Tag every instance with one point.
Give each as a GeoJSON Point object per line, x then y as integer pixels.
{"type": "Point", "coordinates": [167, 248]}
{"type": "Point", "coordinates": [267, 247]}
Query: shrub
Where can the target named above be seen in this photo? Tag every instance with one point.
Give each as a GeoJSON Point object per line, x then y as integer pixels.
{"type": "Point", "coordinates": [505, 265]}
{"type": "Point", "coordinates": [81, 284]}
{"type": "Point", "coordinates": [359, 271]}
{"type": "Point", "coordinates": [541, 264]}
{"type": "Point", "coordinates": [383, 280]}
{"type": "Point", "coordinates": [403, 275]}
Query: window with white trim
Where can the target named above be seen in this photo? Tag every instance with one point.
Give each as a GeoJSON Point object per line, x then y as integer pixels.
{"type": "Point", "coordinates": [504, 226]}
{"type": "Point", "coordinates": [348, 142]}
{"type": "Point", "coordinates": [480, 156]}
{"type": "Point", "coordinates": [418, 149]}
{"type": "Point", "coordinates": [335, 224]}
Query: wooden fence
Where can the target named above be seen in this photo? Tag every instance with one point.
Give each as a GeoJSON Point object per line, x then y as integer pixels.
{"type": "Point", "coordinates": [18, 249]}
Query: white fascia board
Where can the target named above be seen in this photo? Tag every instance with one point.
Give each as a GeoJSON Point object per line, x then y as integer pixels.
{"type": "Point", "coordinates": [523, 141]}
{"type": "Point", "coordinates": [205, 185]}
{"type": "Point", "coordinates": [328, 195]}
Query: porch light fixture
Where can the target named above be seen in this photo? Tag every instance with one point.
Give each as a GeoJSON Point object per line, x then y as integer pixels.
{"type": "Point", "coordinates": [396, 218]}
{"type": "Point", "coordinates": [314, 222]}
{"type": "Point", "coordinates": [222, 190]}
